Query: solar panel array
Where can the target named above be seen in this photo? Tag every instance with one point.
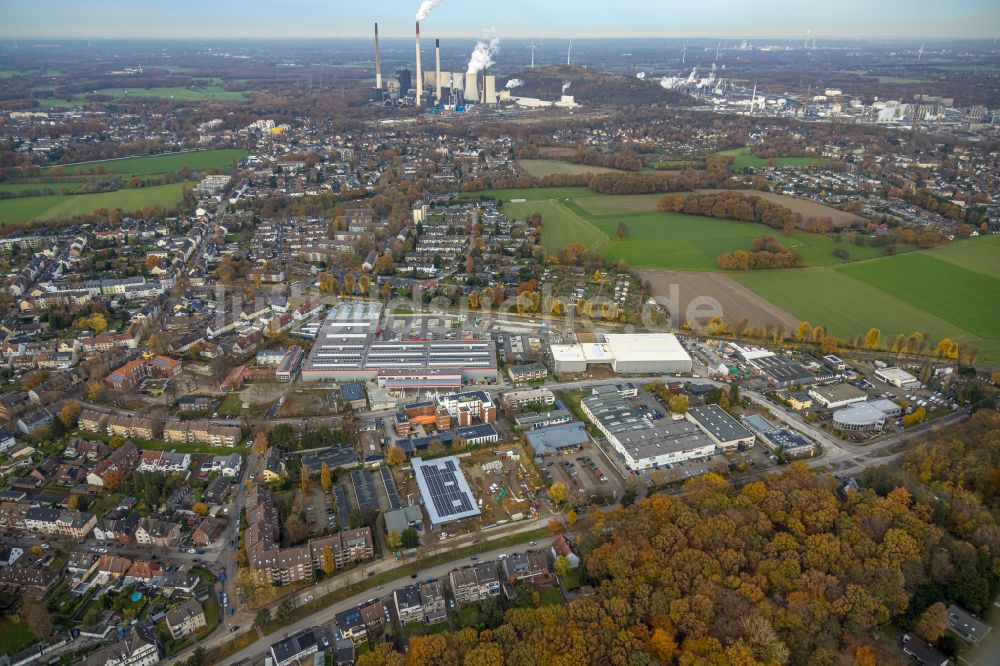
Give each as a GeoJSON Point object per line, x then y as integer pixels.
{"type": "Point", "coordinates": [343, 510]}
{"type": "Point", "coordinates": [446, 494]}
{"type": "Point", "coordinates": [390, 488]}
{"type": "Point", "coordinates": [364, 489]}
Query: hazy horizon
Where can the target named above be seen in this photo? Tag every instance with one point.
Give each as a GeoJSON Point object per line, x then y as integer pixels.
{"type": "Point", "coordinates": [715, 19]}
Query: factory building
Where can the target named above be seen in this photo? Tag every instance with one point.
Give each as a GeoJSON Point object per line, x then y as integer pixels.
{"type": "Point", "coordinates": [721, 428]}
{"type": "Point", "coordinates": [898, 378]}
{"type": "Point", "coordinates": [639, 353]}
{"type": "Point", "coordinates": [347, 349]}
{"type": "Point", "coordinates": [643, 443]}
{"type": "Point", "coordinates": [833, 396]}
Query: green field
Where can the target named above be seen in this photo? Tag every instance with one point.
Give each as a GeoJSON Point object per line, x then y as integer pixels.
{"type": "Point", "coordinates": [14, 635]}
{"type": "Point", "coordinates": [152, 165]}
{"type": "Point", "coordinates": [980, 254]}
{"type": "Point", "coordinates": [560, 225]}
{"type": "Point", "coordinates": [540, 168]}
{"type": "Point", "coordinates": [55, 187]}
{"type": "Point", "coordinates": [743, 159]}
{"type": "Point", "coordinates": [210, 92]}
{"type": "Point", "coordinates": [25, 209]}
{"type": "Point", "coordinates": [967, 299]}
{"type": "Point", "coordinates": [847, 306]}
{"type": "Point", "coordinates": [656, 240]}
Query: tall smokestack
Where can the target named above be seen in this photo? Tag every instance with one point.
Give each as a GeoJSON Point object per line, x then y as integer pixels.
{"type": "Point", "coordinates": [437, 70]}
{"type": "Point", "coordinates": [420, 73]}
{"type": "Point", "coordinates": [378, 61]}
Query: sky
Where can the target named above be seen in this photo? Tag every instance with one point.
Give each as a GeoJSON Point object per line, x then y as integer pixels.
{"type": "Point", "coordinates": [511, 18]}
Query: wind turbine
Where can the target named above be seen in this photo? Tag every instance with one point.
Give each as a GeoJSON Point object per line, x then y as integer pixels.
{"type": "Point", "coordinates": [532, 47]}
{"type": "Point", "coordinates": [717, 48]}
{"type": "Point", "coordinates": [920, 52]}
{"type": "Point", "coordinates": [569, 53]}
{"type": "Point", "coordinates": [684, 52]}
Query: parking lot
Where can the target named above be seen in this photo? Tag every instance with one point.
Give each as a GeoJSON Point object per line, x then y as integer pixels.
{"type": "Point", "coordinates": [587, 474]}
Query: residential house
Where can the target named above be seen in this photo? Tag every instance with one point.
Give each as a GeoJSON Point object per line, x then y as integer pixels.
{"type": "Point", "coordinates": [561, 548]}
{"type": "Point", "coordinates": [139, 647]}
{"type": "Point", "coordinates": [408, 605]}
{"type": "Point", "coordinates": [922, 652]}
{"type": "Point", "coordinates": [297, 647]}
{"type": "Point", "coordinates": [167, 462]}
{"type": "Point", "coordinates": [185, 619]}
{"type": "Point", "coordinates": [28, 577]}
{"type": "Point", "coordinates": [92, 421]}
{"type": "Point", "coordinates": [532, 566]}
{"type": "Point", "coordinates": [208, 531]}
{"type": "Point", "coordinates": [967, 625]}
{"type": "Point", "coordinates": [157, 533]}
{"type": "Point", "coordinates": [432, 602]}
{"type": "Point", "coordinates": [121, 462]}
{"type": "Point", "coordinates": [33, 421]}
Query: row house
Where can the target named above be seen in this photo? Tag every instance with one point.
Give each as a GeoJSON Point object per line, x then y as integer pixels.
{"type": "Point", "coordinates": [28, 577]}
{"type": "Point", "coordinates": [133, 427]}
{"type": "Point", "coordinates": [472, 584]}
{"type": "Point", "coordinates": [206, 432]}
{"type": "Point", "coordinates": [157, 533]}
{"type": "Point", "coordinates": [59, 522]}
{"type": "Point", "coordinates": [128, 339]}
{"type": "Point", "coordinates": [92, 421]}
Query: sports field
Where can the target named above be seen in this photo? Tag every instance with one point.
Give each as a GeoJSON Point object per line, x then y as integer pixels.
{"type": "Point", "coordinates": [540, 168]}
{"type": "Point", "coordinates": [196, 160]}
{"type": "Point", "coordinates": [25, 209]}
{"type": "Point", "coordinates": [743, 159]}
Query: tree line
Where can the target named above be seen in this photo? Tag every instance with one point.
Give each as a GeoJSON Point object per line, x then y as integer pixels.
{"type": "Point", "coordinates": [766, 252]}
{"type": "Point", "coordinates": [731, 206]}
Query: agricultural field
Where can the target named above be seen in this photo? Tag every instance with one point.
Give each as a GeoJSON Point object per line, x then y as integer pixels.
{"type": "Point", "coordinates": [743, 159]}
{"type": "Point", "coordinates": [541, 168]}
{"type": "Point", "coordinates": [656, 240]}
{"type": "Point", "coordinates": [196, 160]}
{"type": "Point", "coordinates": [208, 92]}
{"type": "Point", "coordinates": [965, 298]}
{"type": "Point", "coordinates": [25, 209]}
{"type": "Point", "coordinates": [17, 188]}
{"type": "Point", "coordinates": [979, 254]}
{"type": "Point", "coordinates": [847, 306]}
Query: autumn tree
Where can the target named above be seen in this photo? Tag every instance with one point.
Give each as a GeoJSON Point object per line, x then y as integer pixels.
{"type": "Point", "coordinates": [557, 492]}
{"type": "Point", "coordinates": [259, 443]}
{"type": "Point", "coordinates": [872, 338]}
{"type": "Point", "coordinates": [395, 455]}
{"type": "Point", "coordinates": [304, 478]}
{"type": "Point", "coordinates": [200, 508]}
{"type": "Point", "coordinates": [933, 622]}
{"type": "Point", "coordinates": [561, 565]}
{"type": "Point", "coordinates": [329, 564]}
{"type": "Point", "coordinates": [571, 518]}
{"type": "Point", "coordinates": [678, 403]}
{"type": "Point", "coordinates": [69, 413]}
{"type": "Point", "coordinates": [803, 331]}
{"type": "Point", "coordinates": [324, 477]}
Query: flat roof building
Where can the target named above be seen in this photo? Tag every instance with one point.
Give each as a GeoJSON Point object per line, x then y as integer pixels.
{"type": "Point", "coordinates": [833, 396]}
{"type": "Point", "coordinates": [721, 428]}
{"type": "Point", "coordinates": [444, 490]}
{"type": "Point", "coordinates": [347, 348]}
{"type": "Point", "coordinates": [859, 417]}
{"type": "Point", "coordinates": [557, 438]}
{"type": "Point", "coordinates": [643, 443]}
{"type": "Point", "coordinates": [781, 370]}
{"type": "Point", "coordinates": [632, 353]}
{"type": "Point", "coordinates": [898, 377]}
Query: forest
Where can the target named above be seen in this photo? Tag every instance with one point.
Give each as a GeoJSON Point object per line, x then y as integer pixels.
{"type": "Point", "coordinates": [790, 569]}
{"type": "Point", "coordinates": [733, 206]}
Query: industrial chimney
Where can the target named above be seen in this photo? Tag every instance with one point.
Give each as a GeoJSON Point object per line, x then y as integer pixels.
{"type": "Point", "coordinates": [420, 72]}
{"type": "Point", "coordinates": [378, 61]}
{"type": "Point", "coordinates": [437, 70]}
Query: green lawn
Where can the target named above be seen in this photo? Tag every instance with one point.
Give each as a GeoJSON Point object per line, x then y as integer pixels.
{"type": "Point", "coordinates": [537, 194]}
{"type": "Point", "coordinates": [151, 165]}
{"type": "Point", "coordinates": [14, 635]}
{"type": "Point", "coordinates": [540, 168]}
{"type": "Point", "coordinates": [744, 159]}
{"type": "Point", "coordinates": [968, 299]}
{"type": "Point", "coordinates": [619, 204]}
{"type": "Point", "coordinates": [847, 306]}
{"type": "Point", "coordinates": [200, 92]}
{"type": "Point", "coordinates": [469, 617]}
{"type": "Point", "coordinates": [25, 209]}
{"type": "Point", "coordinates": [980, 254]}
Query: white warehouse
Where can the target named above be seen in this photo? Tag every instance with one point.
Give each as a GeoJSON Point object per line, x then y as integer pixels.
{"type": "Point", "coordinates": [635, 353]}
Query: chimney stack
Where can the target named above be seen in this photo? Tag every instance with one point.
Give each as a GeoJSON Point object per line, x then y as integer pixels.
{"type": "Point", "coordinates": [378, 61]}
{"type": "Point", "coordinates": [420, 73]}
{"type": "Point", "coordinates": [437, 70]}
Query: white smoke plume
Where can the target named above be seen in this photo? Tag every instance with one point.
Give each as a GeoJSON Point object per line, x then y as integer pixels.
{"type": "Point", "coordinates": [692, 77]}
{"type": "Point", "coordinates": [671, 82]}
{"type": "Point", "coordinates": [640, 75]}
{"type": "Point", "coordinates": [483, 54]}
{"type": "Point", "coordinates": [566, 85]}
{"type": "Point", "coordinates": [514, 83]}
{"type": "Point", "coordinates": [425, 8]}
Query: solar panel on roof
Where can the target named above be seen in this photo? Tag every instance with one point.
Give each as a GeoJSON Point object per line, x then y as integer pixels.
{"type": "Point", "coordinates": [364, 489]}
{"type": "Point", "coordinates": [390, 488]}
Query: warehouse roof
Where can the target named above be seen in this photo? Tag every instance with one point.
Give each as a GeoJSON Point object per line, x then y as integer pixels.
{"type": "Point", "coordinates": [838, 392]}
{"type": "Point", "coordinates": [860, 414]}
{"type": "Point", "coordinates": [718, 423]}
{"type": "Point", "coordinates": [444, 489]}
{"type": "Point", "coordinates": [639, 347]}
{"type": "Point", "coordinates": [550, 440]}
